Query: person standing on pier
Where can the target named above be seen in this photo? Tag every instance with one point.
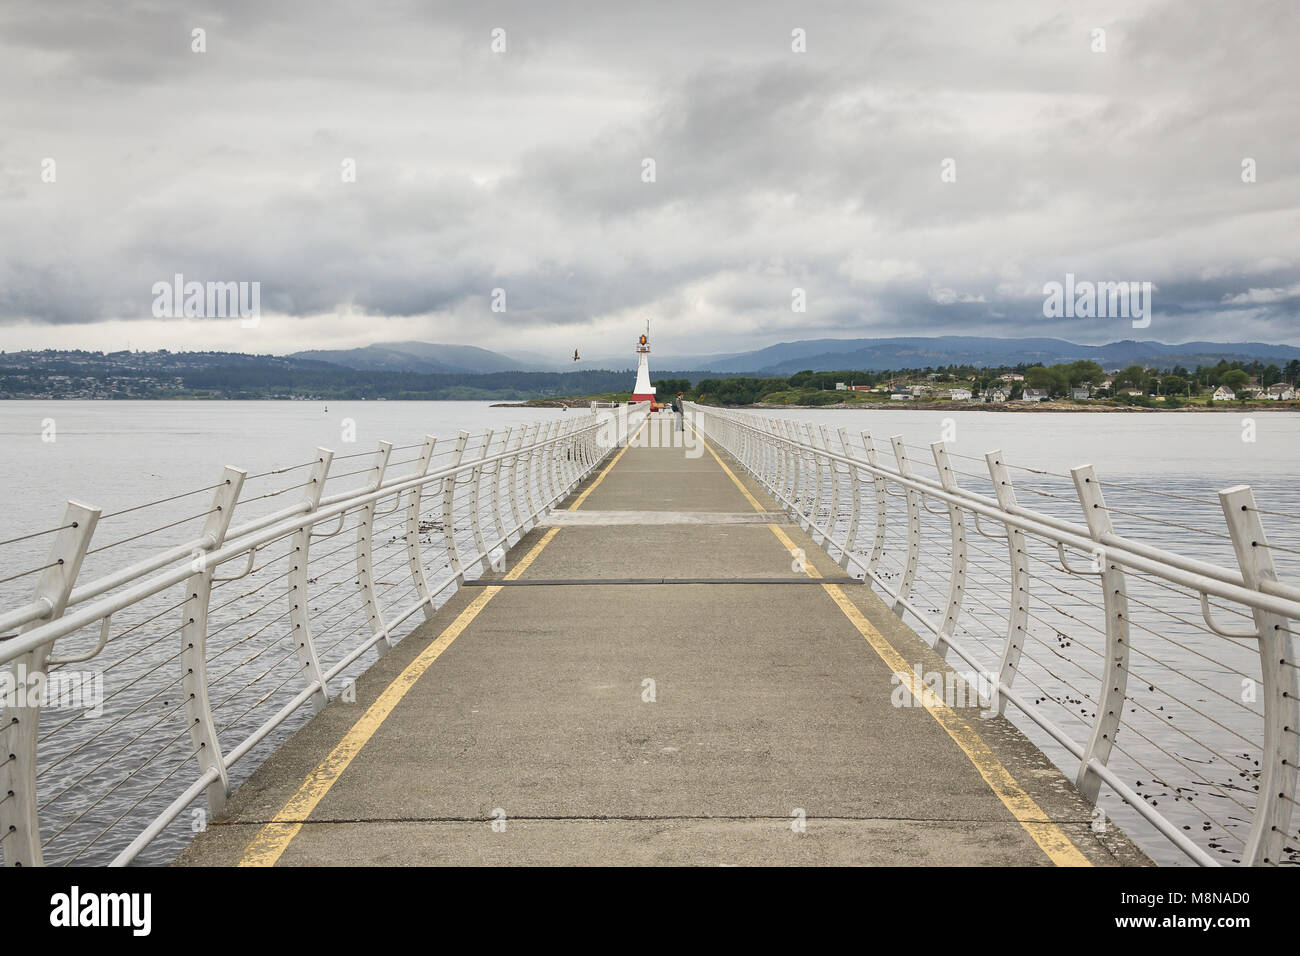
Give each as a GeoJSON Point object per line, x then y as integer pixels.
{"type": "Point", "coordinates": [681, 413]}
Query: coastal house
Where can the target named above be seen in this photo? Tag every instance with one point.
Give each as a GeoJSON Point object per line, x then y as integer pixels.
{"type": "Point", "coordinates": [1281, 392]}
{"type": "Point", "coordinates": [1012, 377]}
{"type": "Point", "coordinates": [1080, 391]}
{"type": "Point", "coordinates": [901, 396]}
{"type": "Point", "coordinates": [995, 395]}
{"type": "Point", "coordinates": [959, 394]}
{"type": "Point", "coordinates": [1034, 395]}
{"type": "Point", "coordinates": [1224, 394]}
{"type": "Point", "coordinates": [841, 386]}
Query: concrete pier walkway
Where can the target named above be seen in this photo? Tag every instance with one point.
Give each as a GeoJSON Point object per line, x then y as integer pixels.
{"type": "Point", "coordinates": [604, 706]}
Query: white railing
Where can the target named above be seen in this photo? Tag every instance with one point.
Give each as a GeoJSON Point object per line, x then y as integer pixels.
{"type": "Point", "coordinates": [206, 652]}
{"type": "Point", "coordinates": [1113, 650]}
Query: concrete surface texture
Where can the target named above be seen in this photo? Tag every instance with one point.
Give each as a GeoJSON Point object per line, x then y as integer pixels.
{"type": "Point", "coordinates": [668, 723]}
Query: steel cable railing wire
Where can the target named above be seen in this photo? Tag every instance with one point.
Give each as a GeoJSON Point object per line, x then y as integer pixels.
{"type": "Point", "coordinates": [774, 450]}
{"type": "Point", "coordinates": [247, 625]}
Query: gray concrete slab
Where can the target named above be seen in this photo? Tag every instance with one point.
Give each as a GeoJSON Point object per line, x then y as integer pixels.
{"type": "Point", "coordinates": [766, 701]}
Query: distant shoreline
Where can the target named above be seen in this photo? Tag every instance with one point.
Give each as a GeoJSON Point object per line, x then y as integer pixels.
{"type": "Point", "coordinates": [1004, 407]}
{"type": "Point", "coordinates": [1032, 407]}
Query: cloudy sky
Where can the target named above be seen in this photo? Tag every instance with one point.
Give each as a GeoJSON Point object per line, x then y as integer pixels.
{"type": "Point", "coordinates": [523, 170]}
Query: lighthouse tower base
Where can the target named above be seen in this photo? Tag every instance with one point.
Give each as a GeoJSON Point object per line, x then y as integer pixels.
{"type": "Point", "coordinates": [643, 391]}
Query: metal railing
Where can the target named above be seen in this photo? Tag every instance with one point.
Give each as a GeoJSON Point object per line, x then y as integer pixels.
{"type": "Point", "coordinates": [1114, 652]}
{"type": "Point", "coordinates": [206, 652]}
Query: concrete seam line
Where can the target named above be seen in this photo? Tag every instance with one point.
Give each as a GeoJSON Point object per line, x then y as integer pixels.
{"type": "Point", "coordinates": [1050, 838]}
{"type": "Point", "coordinates": [629, 582]}
{"type": "Point", "coordinates": [273, 839]}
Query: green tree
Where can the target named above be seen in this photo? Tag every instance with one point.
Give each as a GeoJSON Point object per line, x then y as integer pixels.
{"type": "Point", "coordinates": [1084, 372]}
{"type": "Point", "coordinates": [1135, 376]}
{"type": "Point", "coordinates": [1235, 379]}
{"type": "Point", "coordinates": [1173, 385]}
{"type": "Point", "coordinates": [666, 389]}
{"type": "Point", "coordinates": [1054, 380]}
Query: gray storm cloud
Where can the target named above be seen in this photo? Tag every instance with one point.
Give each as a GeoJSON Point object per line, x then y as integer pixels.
{"type": "Point", "coordinates": [775, 169]}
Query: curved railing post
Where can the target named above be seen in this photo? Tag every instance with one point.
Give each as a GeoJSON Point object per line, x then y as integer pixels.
{"type": "Point", "coordinates": [796, 470]}
{"type": "Point", "coordinates": [957, 526]}
{"type": "Point", "coordinates": [556, 459]}
{"type": "Point", "coordinates": [414, 560]}
{"type": "Point", "coordinates": [1018, 599]}
{"type": "Point", "coordinates": [913, 528]}
{"type": "Point", "coordinates": [512, 480]}
{"type": "Point", "coordinates": [1114, 676]}
{"type": "Point", "coordinates": [775, 454]}
{"type": "Point", "coordinates": [561, 459]}
{"type": "Point", "coordinates": [834, 471]}
{"type": "Point", "coordinates": [499, 469]}
{"type": "Point", "coordinates": [194, 639]}
{"type": "Point", "coordinates": [530, 458]}
{"type": "Point", "coordinates": [812, 485]}
{"type": "Point", "coordinates": [855, 514]}
{"type": "Point", "coordinates": [882, 504]}
{"type": "Point", "coordinates": [541, 467]}
{"type": "Point", "coordinates": [789, 465]}
{"type": "Point", "coordinates": [365, 548]}
{"type": "Point", "coordinates": [20, 828]}
{"type": "Point", "coordinates": [574, 456]}
{"type": "Point", "coordinates": [771, 456]}
{"type": "Point", "coordinates": [299, 608]}
{"type": "Point", "coordinates": [1270, 830]}
{"type": "Point", "coordinates": [449, 510]}
{"type": "Point", "coordinates": [564, 457]}
{"type": "Point", "coordinates": [476, 504]}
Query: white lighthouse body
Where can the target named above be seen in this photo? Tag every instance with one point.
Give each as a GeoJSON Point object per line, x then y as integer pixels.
{"type": "Point", "coordinates": [643, 391]}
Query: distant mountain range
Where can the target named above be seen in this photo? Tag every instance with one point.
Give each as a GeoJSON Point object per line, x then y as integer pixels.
{"type": "Point", "coordinates": [872, 355]}
{"type": "Point", "coordinates": [423, 357]}
{"type": "Point", "coordinates": [820, 355]}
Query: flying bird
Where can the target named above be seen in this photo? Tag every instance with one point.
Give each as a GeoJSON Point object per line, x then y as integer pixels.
{"type": "Point", "coordinates": [575, 355]}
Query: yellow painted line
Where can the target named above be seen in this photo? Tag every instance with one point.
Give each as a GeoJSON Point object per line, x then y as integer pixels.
{"type": "Point", "coordinates": [273, 839]}
{"type": "Point", "coordinates": [608, 468]}
{"type": "Point", "coordinates": [1049, 837]}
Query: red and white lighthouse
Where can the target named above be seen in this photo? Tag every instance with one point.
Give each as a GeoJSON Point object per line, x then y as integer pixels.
{"type": "Point", "coordinates": [643, 391]}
